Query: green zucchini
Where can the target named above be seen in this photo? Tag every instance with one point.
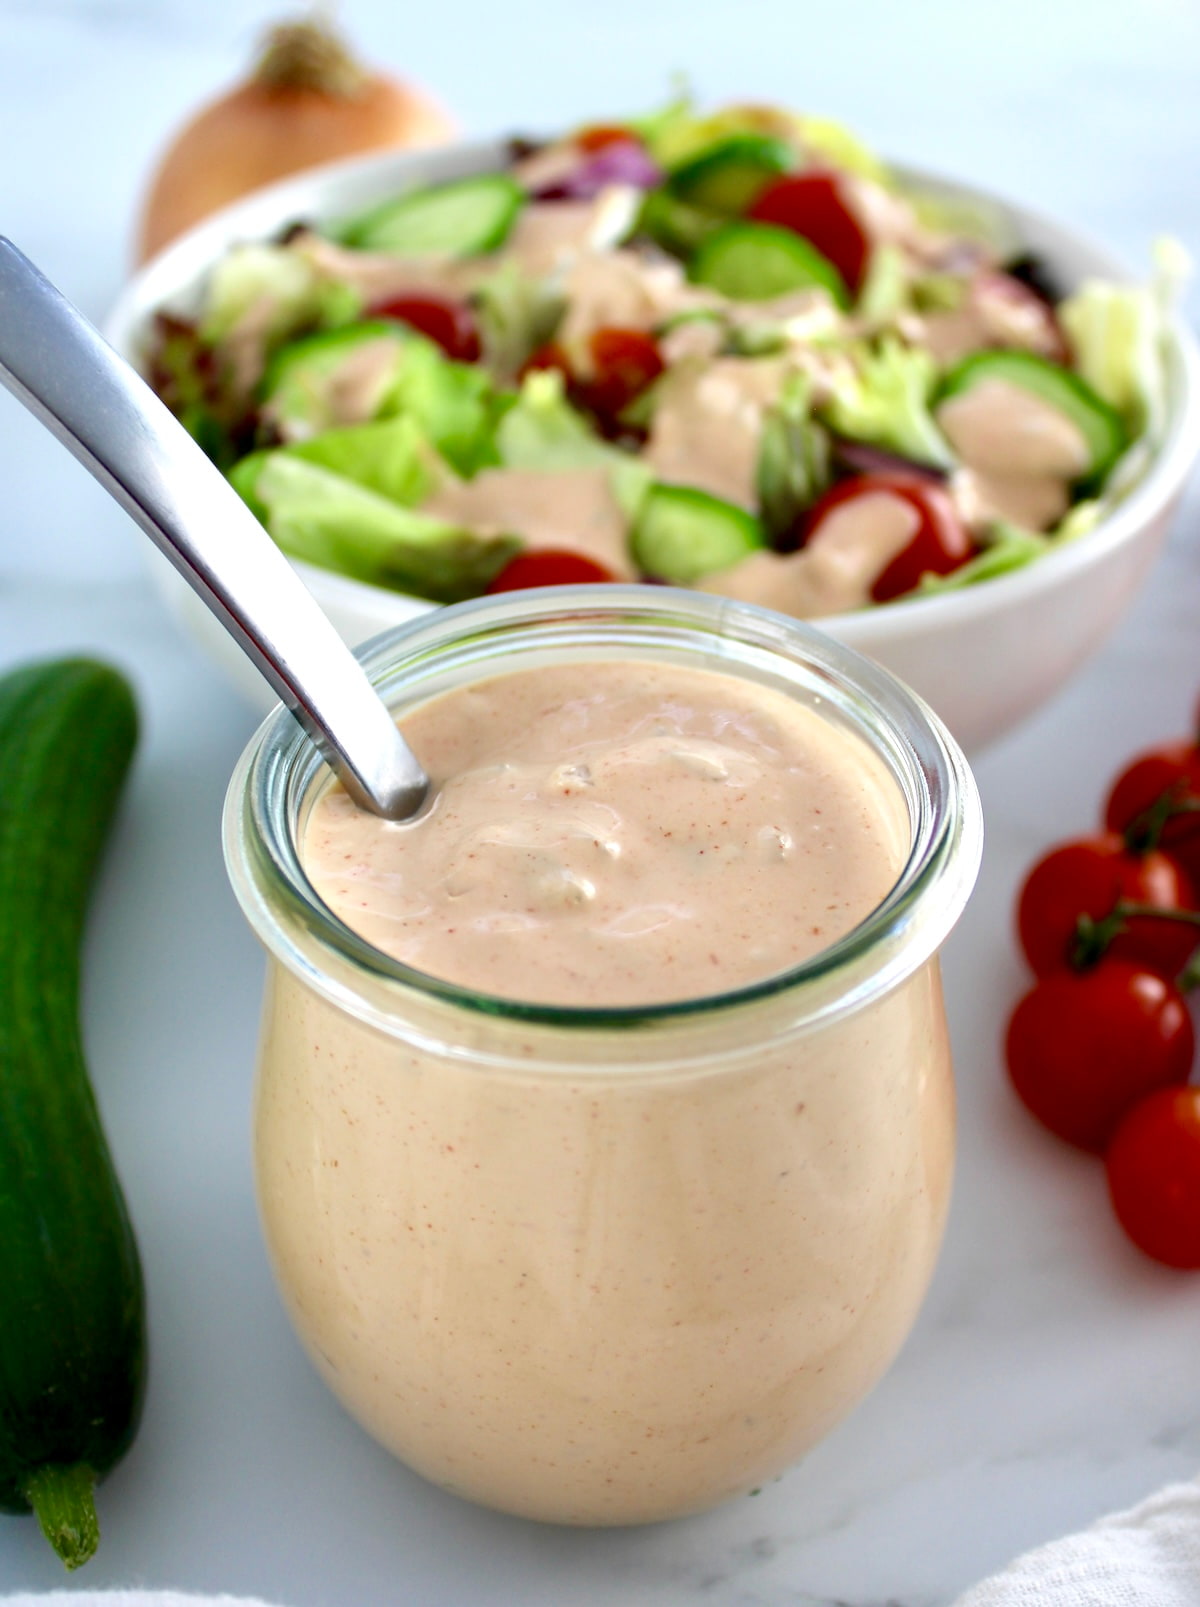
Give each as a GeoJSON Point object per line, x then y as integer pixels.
{"type": "Point", "coordinates": [72, 1325]}
{"type": "Point", "coordinates": [756, 261]}
{"type": "Point", "coordinates": [464, 218]}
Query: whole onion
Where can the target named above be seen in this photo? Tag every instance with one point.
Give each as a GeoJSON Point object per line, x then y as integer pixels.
{"type": "Point", "coordinates": [307, 101]}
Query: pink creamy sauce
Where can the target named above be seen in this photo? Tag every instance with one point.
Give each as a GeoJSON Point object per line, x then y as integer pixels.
{"type": "Point", "coordinates": [591, 1276]}
{"type": "Point", "coordinates": [617, 833]}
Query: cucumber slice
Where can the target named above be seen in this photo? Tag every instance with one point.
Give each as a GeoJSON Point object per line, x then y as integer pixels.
{"type": "Point", "coordinates": [682, 533]}
{"type": "Point", "coordinates": [755, 261]}
{"type": "Point", "coordinates": [727, 177]}
{"type": "Point", "coordinates": [464, 218]}
{"type": "Point", "coordinates": [1098, 423]}
{"type": "Point", "coordinates": [674, 225]}
{"type": "Point", "coordinates": [296, 384]}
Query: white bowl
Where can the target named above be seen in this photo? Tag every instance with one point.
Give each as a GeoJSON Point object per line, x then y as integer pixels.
{"type": "Point", "coordinates": [984, 657]}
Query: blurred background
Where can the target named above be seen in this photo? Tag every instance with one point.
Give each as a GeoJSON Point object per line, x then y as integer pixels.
{"type": "Point", "coordinates": [1088, 112]}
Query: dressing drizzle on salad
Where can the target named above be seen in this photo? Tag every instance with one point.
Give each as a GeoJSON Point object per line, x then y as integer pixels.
{"type": "Point", "coordinates": [725, 350]}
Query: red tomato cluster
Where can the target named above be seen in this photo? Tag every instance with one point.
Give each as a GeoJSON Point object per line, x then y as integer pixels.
{"type": "Point", "coordinates": [1101, 1047]}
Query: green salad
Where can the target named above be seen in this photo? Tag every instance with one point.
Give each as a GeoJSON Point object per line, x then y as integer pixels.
{"type": "Point", "coordinates": [726, 350]}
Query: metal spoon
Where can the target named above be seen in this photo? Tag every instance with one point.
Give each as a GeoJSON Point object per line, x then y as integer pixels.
{"type": "Point", "coordinates": [58, 365]}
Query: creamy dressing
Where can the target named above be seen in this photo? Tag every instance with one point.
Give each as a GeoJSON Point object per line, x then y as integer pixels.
{"type": "Point", "coordinates": [567, 510]}
{"type": "Point", "coordinates": [995, 312]}
{"type": "Point", "coordinates": [549, 236]}
{"type": "Point", "coordinates": [707, 425]}
{"type": "Point", "coordinates": [379, 275]}
{"type": "Point", "coordinates": [546, 238]}
{"type": "Point", "coordinates": [353, 394]}
{"type": "Point", "coordinates": [617, 833]}
{"type": "Point", "coordinates": [835, 571]}
{"type": "Point", "coordinates": [889, 219]}
{"type": "Point", "coordinates": [620, 289]}
{"type": "Point", "coordinates": [589, 1292]}
{"type": "Point", "coordinates": [1021, 453]}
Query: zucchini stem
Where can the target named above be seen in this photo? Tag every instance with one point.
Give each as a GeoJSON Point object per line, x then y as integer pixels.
{"type": "Point", "coordinates": [63, 1498]}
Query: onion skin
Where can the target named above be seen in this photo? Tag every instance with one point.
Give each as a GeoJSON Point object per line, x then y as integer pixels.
{"type": "Point", "coordinates": [268, 127]}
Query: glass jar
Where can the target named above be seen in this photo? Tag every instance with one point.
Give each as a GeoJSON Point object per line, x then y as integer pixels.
{"type": "Point", "coordinates": [606, 1266]}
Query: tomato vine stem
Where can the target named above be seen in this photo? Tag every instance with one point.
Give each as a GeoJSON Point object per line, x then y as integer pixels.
{"type": "Point", "coordinates": [1092, 936]}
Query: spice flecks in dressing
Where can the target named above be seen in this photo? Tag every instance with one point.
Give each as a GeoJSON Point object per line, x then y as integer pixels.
{"type": "Point", "coordinates": [617, 833]}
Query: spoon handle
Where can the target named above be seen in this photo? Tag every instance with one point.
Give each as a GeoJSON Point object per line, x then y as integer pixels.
{"type": "Point", "coordinates": [58, 365]}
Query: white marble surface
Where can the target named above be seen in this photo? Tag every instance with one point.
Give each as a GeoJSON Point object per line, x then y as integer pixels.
{"type": "Point", "coordinates": [1053, 1373]}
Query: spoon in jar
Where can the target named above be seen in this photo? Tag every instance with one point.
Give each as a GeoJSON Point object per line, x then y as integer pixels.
{"type": "Point", "coordinates": [58, 365]}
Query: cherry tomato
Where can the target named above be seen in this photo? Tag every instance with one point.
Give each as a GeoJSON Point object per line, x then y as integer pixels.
{"type": "Point", "coordinates": [548, 567]}
{"type": "Point", "coordinates": [1172, 770]}
{"type": "Point", "coordinates": [1153, 1166]}
{"type": "Point", "coordinates": [451, 324]}
{"type": "Point", "coordinates": [624, 363]}
{"type": "Point", "coordinates": [1089, 877]}
{"type": "Point", "coordinates": [549, 356]}
{"type": "Point", "coordinates": [599, 136]}
{"type": "Point", "coordinates": [941, 542]}
{"type": "Point", "coordinates": [1083, 1046]}
{"type": "Point", "coordinates": [812, 205]}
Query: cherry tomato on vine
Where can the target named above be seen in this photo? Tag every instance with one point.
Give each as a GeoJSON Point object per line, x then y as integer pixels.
{"type": "Point", "coordinates": [813, 205]}
{"type": "Point", "coordinates": [1171, 771]}
{"type": "Point", "coordinates": [1084, 1046]}
{"type": "Point", "coordinates": [940, 542]}
{"type": "Point", "coordinates": [450, 324]}
{"type": "Point", "coordinates": [1153, 1166]}
{"type": "Point", "coordinates": [1089, 877]}
{"type": "Point", "coordinates": [548, 567]}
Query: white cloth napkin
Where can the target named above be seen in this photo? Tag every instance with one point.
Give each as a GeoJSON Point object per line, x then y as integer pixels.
{"type": "Point", "coordinates": [1148, 1556]}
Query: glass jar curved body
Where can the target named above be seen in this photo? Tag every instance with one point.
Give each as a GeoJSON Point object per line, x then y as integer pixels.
{"type": "Point", "coordinates": [606, 1266]}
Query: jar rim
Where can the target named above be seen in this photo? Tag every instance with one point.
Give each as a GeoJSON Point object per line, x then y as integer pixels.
{"type": "Point", "coordinates": [281, 767]}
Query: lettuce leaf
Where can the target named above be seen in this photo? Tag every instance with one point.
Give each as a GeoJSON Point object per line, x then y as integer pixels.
{"type": "Point", "coordinates": [392, 458]}
{"type": "Point", "coordinates": [677, 132]}
{"type": "Point", "coordinates": [973, 217]}
{"type": "Point", "coordinates": [793, 458]}
{"type": "Point", "coordinates": [455, 404]}
{"type": "Point", "coordinates": [881, 394]}
{"type": "Point", "coordinates": [281, 289]}
{"type": "Point", "coordinates": [887, 289]}
{"type": "Point", "coordinates": [516, 313]}
{"type": "Point", "coordinates": [1010, 548]}
{"type": "Point", "coordinates": [543, 431]}
{"type": "Point", "coordinates": [842, 149]}
{"type": "Point", "coordinates": [1118, 334]}
{"type": "Point", "coordinates": [324, 518]}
